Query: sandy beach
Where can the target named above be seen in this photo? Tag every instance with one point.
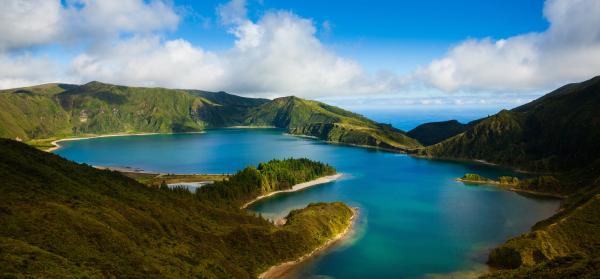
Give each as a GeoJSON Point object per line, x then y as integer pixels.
{"type": "Point", "coordinates": [57, 146]}
{"type": "Point", "coordinates": [280, 270]}
{"type": "Point", "coordinates": [297, 187]}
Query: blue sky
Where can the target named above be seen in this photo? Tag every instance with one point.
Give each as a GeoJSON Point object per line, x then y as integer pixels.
{"type": "Point", "coordinates": [368, 55]}
{"type": "Point", "coordinates": [387, 34]}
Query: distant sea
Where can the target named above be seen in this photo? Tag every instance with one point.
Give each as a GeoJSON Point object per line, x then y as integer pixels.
{"type": "Point", "coordinates": [407, 119]}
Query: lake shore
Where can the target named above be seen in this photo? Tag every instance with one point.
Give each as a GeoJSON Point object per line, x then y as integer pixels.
{"type": "Point", "coordinates": [513, 189]}
{"type": "Point", "coordinates": [250, 127]}
{"type": "Point", "coordinates": [297, 187]}
{"type": "Point", "coordinates": [476, 161]}
{"type": "Point", "coordinates": [391, 150]}
{"type": "Point", "coordinates": [280, 270]}
{"type": "Point", "coordinates": [57, 146]}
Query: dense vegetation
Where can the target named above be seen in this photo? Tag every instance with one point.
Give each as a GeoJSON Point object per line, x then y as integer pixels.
{"type": "Point", "coordinates": [556, 136]}
{"type": "Point", "coordinates": [473, 177]}
{"type": "Point", "coordinates": [567, 245]}
{"type": "Point", "coordinates": [434, 132]}
{"type": "Point", "coordinates": [58, 110]}
{"type": "Point", "coordinates": [251, 182]}
{"type": "Point", "coordinates": [312, 118]}
{"type": "Point", "coordinates": [558, 132]}
{"type": "Point", "coordinates": [62, 219]}
{"type": "Point", "coordinates": [502, 180]}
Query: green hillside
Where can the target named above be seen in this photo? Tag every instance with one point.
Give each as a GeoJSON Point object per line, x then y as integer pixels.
{"type": "Point", "coordinates": [566, 245]}
{"type": "Point", "coordinates": [57, 110]}
{"type": "Point", "coordinates": [555, 136]}
{"type": "Point", "coordinates": [33, 112]}
{"type": "Point", "coordinates": [434, 132]}
{"type": "Point", "coordinates": [558, 132]}
{"type": "Point", "coordinates": [312, 118]}
{"type": "Point", "coordinates": [62, 219]}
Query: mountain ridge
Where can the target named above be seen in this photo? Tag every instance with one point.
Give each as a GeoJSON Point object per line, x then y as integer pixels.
{"type": "Point", "coordinates": [557, 132]}
{"type": "Point", "coordinates": [96, 108]}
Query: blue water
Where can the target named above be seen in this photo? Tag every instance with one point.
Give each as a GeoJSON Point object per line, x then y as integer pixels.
{"type": "Point", "coordinates": [415, 219]}
{"type": "Point", "coordinates": [408, 119]}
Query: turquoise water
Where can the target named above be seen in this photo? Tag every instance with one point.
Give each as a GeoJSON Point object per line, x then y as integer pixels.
{"type": "Point", "coordinates": [415, 219]}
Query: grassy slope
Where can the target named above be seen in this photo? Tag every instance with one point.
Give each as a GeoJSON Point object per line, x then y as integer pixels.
{"type": "Point", "coordinates": [434, 132]}
{"type": "Point", "coordinates": [566, 245]}
{"type": "Point", "coordinates": [61, 219]}
{"type": "Point", "coordinates": [33, 112]}
{"type": "Point", "coordinates": [57, 110]}
{"type": "Point", "coordinates": [558, 132]}
{"type": "Point", "coordinates": [557, 135]}
{"type": "Point", "coordinates": [312, 118]}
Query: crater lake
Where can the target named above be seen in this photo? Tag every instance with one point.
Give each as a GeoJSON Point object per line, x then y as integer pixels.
{"type": "Point", "coordinates": [415, 220]}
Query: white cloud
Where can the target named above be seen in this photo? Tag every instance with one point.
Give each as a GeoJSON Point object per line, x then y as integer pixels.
{"type": "Point", "coordinates": [280, 54]}
{"type": "Point", "coordinates": [568, 51]}
{"type": "Point", "coordinates": [24, 23]}
{"type": "Point", "coordinates": [232, 12]}
{"type": "Point", "coordinates": [112, 17]}
{"type": "Point", "coordinates": [25, 69]}
{"type": "Point", "coordinates": [277, 55]}
{"type": "Point", "coordinates": [28, 23]}
{"type": "Point", "coordinates": [146, 61]}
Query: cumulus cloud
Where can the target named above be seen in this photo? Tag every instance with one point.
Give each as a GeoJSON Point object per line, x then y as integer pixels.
{"type": "Point", "coordinates": [112, 17]}
{"type": "Point", "coordinates": [232, 12]}
{"type": "Point", "coordinates": [278, 54]}
{"type": "Point", "coordinates": [147, 61]}
{"type": "Point", "coordinates": [29, 23]}
{"type": "Point", "coordinates": [24, 23]}
{"type": "Point", "coordinates": [568, 51]}
{"type": "Point", "coordinates": [26, 69]}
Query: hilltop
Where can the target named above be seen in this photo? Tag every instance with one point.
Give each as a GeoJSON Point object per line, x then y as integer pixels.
{"type": "Point", "coordinates": [312, 118]}
{"type": "Point", "coordinates": [434, 132]}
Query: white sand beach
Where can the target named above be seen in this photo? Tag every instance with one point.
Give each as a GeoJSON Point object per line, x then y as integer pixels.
{"type": "Point", "coordinates": [298, 187]}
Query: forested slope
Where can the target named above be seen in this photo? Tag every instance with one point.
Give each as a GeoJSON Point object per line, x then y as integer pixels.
{"type": "Point", "coordinates": [62, 219]}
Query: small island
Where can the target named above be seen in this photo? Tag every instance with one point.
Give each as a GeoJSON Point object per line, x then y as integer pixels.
{"type": "Point", "coordinates": [474, 178]}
